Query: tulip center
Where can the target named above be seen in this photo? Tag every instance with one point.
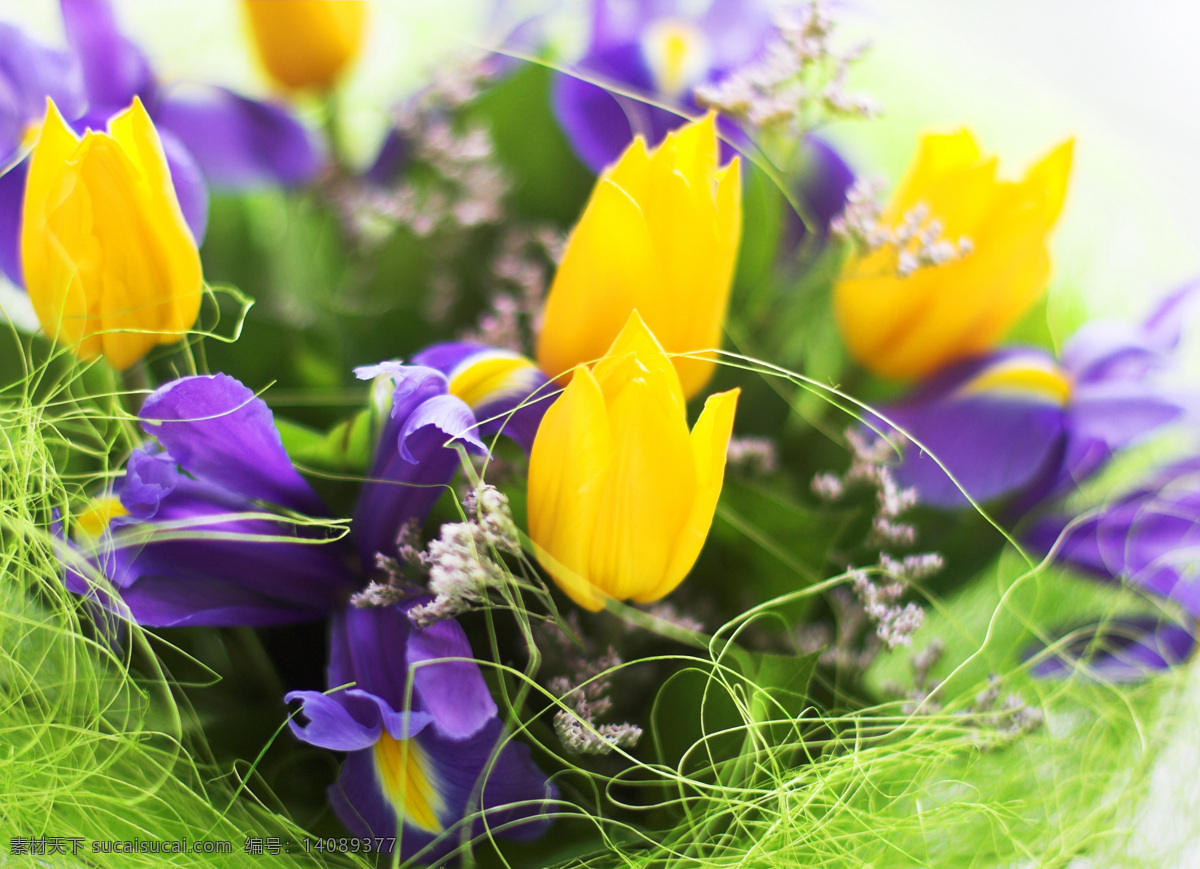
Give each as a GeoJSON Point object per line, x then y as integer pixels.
{"type": "Point", "coordinates": [403, 770]}
{"type": "Point", "coordinates": [677, 53]}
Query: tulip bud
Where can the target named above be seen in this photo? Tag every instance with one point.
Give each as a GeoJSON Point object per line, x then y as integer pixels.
{"type": "Point", "coordinates": [110, 265]}
{"type": "Point", "coordinates": [659, 234]}
{"type": "Point", "coordinates": [306, 43]}
{"type": "Point", "coordinates": [621, 496]}
{"type": "Point", "coordinates": [908, 327]}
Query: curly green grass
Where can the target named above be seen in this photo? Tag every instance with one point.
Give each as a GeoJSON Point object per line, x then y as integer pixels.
{"type": "Point", "coordinates": [96, 744]}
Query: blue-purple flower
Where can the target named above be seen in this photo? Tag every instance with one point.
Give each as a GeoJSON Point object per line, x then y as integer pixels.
{"type": "Point", "coordinates": [660, 50]}
{"type": "Point", "coordinates": [428, 760]}
{"type": "Point", "coordinates": [1021, 425]}
{"type": "Point", "coordinates": [1149, 540]}
{"type": "Point", "coordinates": [211, 136]}
{"type": "Point", "coordinates": [213, 524]}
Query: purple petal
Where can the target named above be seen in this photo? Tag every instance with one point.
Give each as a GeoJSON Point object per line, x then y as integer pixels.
{"type": "Point", "coordinates": [219, 431]}
{"type": "Point", "coordinates": [194, 560]}
{"type": "Point", "coordinates": [239, 142]}
{"type": "Point", "coordinates": [1124, 650]}
{"type": "Point", "coordinates": [823, 183]}
{"type": "Point", "coordinates": [114, 69]}
{"type": "Point", "coordinates": [378, 650]}
{"type": "Point", "coordinates": [600, 125]}
{"type": "Point", "coordinates": [30, 72]}
{"type": "Point", "coordinates": [1164, 326]}
{"type": "Point", "coordinates": [737, 31]}
{"type": "Point", "coordinates": [512, 787]}
{"type": "Point", "coordinates": [513, 790]}
{"type": "Point", "coordinates": [332, 723]}
{"type": "Point", "coordinates": [453, 692]}
{"type": "Point", "coordinates": [448, 356]}
{"type": "Point", "coordinates": [508, 394]}
{"type": "Point", "coordinates": [449, 416]}
{"type": "Point", "coordinates": [413, 463]}
{"type": "Point", "coordinates": [1149, 539]}
{"type": "Point", "coordinates": [351, 720]}
{"type": "Point", "coordinates": [368, 648]}
{"type": "Point", "coordinates": [394, 155]}
{"type": "Point", "coordinates": [188, 183]}
{"type": "Point", "coordinates": [358, 801]}
{"type": "Point", "coordinates": [12, 198]}
{"type": "Point", "coordinates": [1120, 413]}
{"type": "Point", "coordinates": [992, 438]}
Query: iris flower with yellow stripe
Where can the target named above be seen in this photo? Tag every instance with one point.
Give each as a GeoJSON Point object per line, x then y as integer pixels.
{"type": "Point", "coordinates": [428, 758]}
{"type": "Point", "coordinates": [1022, 425]}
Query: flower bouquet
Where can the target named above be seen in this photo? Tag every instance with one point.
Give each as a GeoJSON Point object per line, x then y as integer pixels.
{"type": "Point", "coordinates": [588, 467]}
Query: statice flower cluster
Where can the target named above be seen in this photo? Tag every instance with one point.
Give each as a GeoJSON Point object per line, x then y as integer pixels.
{"type": "Point", "coordinates": [879, 601]}
{"type": "Point", "coordinates": [520, 273]}
{"type": "Point", "coordinates": [586, 696]}
{"type": "Point", "coordinates": [463, 564]}
{"type": "Point", "coordinates": [916, 241]}
{"type": "Point", "coordinates": [797, 83]}
{"type": "Point", "coordinates": [449, 179]}
{"type": "Point", "coordinates": [754, 455]}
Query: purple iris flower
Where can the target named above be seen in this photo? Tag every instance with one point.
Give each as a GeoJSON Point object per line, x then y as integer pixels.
{"type": "Point", "coordinates": [217, 529]}
{"type": "Point", "coordinates": [210, 136]}
{"type": "Point", "coordinates": [1149, 539]}
{"type": "Point", "coordinates": [30, 72]}
{"type": "Point", "coordinates": [507, 392]}
{"type": "Point", "coordinates": [660, 50]}
{"type": "Point", "coordinates": [220, 529]}
{"type": "Point", "coordinates": [426, 751]}
{"type": "Point", "coordinates": [1020, 425]}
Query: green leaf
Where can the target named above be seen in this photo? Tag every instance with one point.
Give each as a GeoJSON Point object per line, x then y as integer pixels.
{"type": "Point", "coordinates": [345, 448]}
{"type": "Point", "coordinates": [551, 183]}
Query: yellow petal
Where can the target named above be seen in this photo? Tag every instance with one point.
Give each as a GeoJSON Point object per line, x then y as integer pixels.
{"type": "Point", "coordinates": [667, 246]}
{"type": "Point", "coordinates": [632, 171]}
{"type": "Point", "coordinates": [306, 43]}
{"type": "Point", "coordinates": [709, 446]}
{"type": "Point", "coordinates": [1050, 176]}
{"type": "Point", "coordinates": [637, 353]}
{"type": "Point", "coordinates": [148, 285]}
{"type": "Point", "coordinates": [56, 235]}
{"type": "Point", "coordinates": [609, 258]}
{"type": "Point", "coordinates": [490, 375]}
{"type": "Point", "coordinates": [648, 490]}
{"type": "Point", "coordinates": [110, 264]}
{"type": "Point", "coordinates": [133, 130]}
{"type": "Point", "coordinates": [571, 454]}
{"type": "Point", "coordinates": [906, 328]}
{"type": "Point", "coordinates": [695, 147]}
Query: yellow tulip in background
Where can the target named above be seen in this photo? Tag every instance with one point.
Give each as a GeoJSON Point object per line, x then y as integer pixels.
{"type": "Point", "coordinates": [621, 496]}
{"type": "Point", "coordinates": [110, 265]}
{"type": "Point", "coordinates": [307, 43]}
{"type": "Point", "coordinates": [659, 234]}
{"type": "Point", "coordinates": [908, 327]}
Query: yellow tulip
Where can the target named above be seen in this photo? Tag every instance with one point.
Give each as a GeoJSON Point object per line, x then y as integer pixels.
{"type": "Point", "coordinates": [306, 43]}
{"type": "Point", "coordinates": [908, 327]}
{"type": "Point", "coordinates": [621, 496]}
{"type": "Point", "coordinates": [110, 265]}
{"type": "Point", "coordinates": [659, 234]}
